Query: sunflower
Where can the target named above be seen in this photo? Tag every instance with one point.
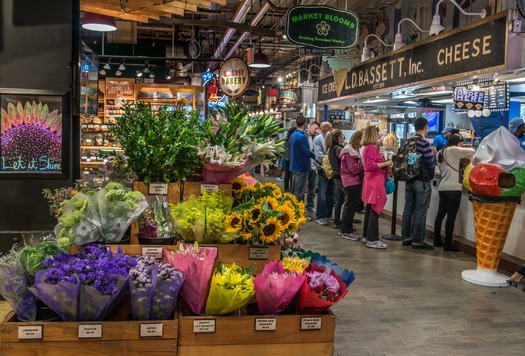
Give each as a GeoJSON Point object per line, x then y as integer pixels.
{"type": "Point", "coordinates": [288, 216]}
{"type": "Point", "coordinates": [291, 197]}
{"type": "Point", "coordinates": [254, 215]}
{"type": "Point", "coordinates": [272, 202]}
{"type": "Point", "coordinates": [233, 223]}
{"type": "Point", "coordinates": [271, 231]}
{"type": "Point", "coordinates": [276, 192]}
{"type": "Point", "coordinates": [238, 184]}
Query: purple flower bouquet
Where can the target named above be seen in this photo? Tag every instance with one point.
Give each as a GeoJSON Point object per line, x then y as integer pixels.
{"type": "Point", "coordinates": [275, 287]}
{"type": "Point", "coordinates": [14, 286]}
{"type": "Point", "coordinates": [86, 286]}
{"type": "Point", "coordinates": [154, 288]}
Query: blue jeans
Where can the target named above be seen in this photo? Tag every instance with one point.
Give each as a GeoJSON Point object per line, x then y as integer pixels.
{"type": "Point", "coordinates": [299, 184]}
{"type": "Point", "coordinates": [417, 201]}
{"type": "Point", "coordinates": [312, 186]}
{"type": "Point", "coordinates": [325, 199]}
{"type": "Point", "coordinates": [339, 199]}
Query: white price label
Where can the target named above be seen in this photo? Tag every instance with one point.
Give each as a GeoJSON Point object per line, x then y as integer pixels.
{"type": "Point", "coordinates": [158, 189]}
{"type": "Point", "coordinates": [258, 253]}
{"type": "Point", "coordinates": [209, 187]}
{"type": "Point", "coordinates": [265, 324]}
{"type": "Point", "coordinates": [152, 251]}
{"type": "Point", "coordinates": [150, 330]}
{"type": "Point", "coordinates": [204, 326]}
{"type": "Point", "coordinates": [311, 323]}
{"type": "Point", "coordinates": [90, 331]}
{"type": "Point", "coordinates": [31, 332]}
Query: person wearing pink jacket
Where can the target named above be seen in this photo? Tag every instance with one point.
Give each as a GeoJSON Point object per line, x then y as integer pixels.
{"type": "Point", "coordinates": [351, 175]}
{"type": "Point", "coordinates": [374, 193]}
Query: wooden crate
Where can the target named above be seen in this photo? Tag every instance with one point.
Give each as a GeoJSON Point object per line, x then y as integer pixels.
{"type": "Point", "coordinates": [173, 194]}
{"type": "Point", "coordinates": [119, 337]}
{"type": "Point", "coordinates": [237, 335]}
{"type": "Point", "coordinates": [230, 253]}
{"type": "Point", "coordinates": [196, 188]}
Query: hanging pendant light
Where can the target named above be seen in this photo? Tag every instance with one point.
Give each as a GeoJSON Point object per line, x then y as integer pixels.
{"type": "Point", "coordinates": [260, 60]}
{"type": "Point", "coordinates": [97, 22]}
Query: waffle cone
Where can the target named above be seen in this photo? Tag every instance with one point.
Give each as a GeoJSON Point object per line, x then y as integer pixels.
{"type": "Point", "coordinates": [492, 222]}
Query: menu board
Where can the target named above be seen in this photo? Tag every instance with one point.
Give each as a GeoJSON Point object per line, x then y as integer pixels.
{"type": "Point", "coordinates": [487, 96]}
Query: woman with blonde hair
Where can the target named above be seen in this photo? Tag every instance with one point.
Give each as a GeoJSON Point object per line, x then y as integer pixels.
{"type": "Point", "coordinates": [333, 146]}
{"type": "Point", "coordinates": [351, 172]}
{"type": "Point", "coordinates": [374, 193]}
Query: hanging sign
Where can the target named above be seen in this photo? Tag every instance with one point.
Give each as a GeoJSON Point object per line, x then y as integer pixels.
{"type": "Point", "coordinates": [480, 47]}
{"type": "Point", "coordinates": [482, 95]}
{"type": "Point", "coordinates": [234, 77]}
{"type": "Point", "coordinates": [288, 94]}
{"type": "Point", "coordinates": [321, 26]}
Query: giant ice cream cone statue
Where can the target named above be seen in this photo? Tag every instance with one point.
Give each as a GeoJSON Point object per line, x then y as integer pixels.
{"type": "Point", "coordinates": [496, 180]}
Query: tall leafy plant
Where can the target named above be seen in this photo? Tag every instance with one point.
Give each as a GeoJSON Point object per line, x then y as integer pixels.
{"type": "Point", "coordinates": [159, 145]}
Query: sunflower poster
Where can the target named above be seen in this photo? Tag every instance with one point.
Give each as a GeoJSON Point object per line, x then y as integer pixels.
{"type": "Point", "coordinates": [31, 133]}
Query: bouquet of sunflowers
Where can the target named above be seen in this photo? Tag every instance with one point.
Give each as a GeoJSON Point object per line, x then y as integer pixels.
{"type": "Point", "coordinates": [262, 213]}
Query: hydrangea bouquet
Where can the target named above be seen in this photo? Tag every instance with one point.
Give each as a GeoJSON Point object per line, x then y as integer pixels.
{"type": "Point", "coordinates": [276, 287]}
{"type": "Point", "coordinates": [86, 286]}
{"type": "Point", "coordinates": [154, 288]}
{"type": "Point", "coordinates": [196, 264]}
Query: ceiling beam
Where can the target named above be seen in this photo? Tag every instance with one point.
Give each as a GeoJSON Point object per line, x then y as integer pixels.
{"type": "Point", "coordinates": [113, 13]}
{"type": "Point", "coordinates": [145, 7]}
{"type": "Point", "coordinates": [182, 5]}
{"type": "Point", "coordinates": [237, 26]}
{"type": "Point", "coordinates": [171, 9]}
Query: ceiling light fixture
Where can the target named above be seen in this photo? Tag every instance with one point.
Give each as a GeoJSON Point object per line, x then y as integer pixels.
{"type": "Point", "coordinates": [436, 27]}
{"type": "Point", "coordinates": [366, 53]}
{"type": "Point", "coordinates": [102, 72]}
{"type": "Point", "coordinates": [139, 73]}
{"type": "Point", "coordinates": [107, 66]}
{"type": "Point", "coordinates": [398, 42]}
{"type": "Point", "coordinates": [122, 66]}
{"type": "Point", "coordinates": [146, 69]}
{"type": "Point", "coordinates": [118, 73]}
{"type": "Point", "coordinates": [97, 22]}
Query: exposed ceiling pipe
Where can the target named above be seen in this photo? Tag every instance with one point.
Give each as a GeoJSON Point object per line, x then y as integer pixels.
{"type": "Point", "coordinates": [241, 12]}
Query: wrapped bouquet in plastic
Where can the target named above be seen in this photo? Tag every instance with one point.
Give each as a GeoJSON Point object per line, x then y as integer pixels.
{"type": "Point", "coordinates": [231, 288]}
{"type": "Point", "coordinates": [321, 289]}
{"type": "Point", "coordinates": [196, 264]}
{"type": "Point", "coordinates": [86, 286]}
{"type": "Point", "coordinates": [154, 288]}
{"type": "Point", "coordinates": [276, 287]}
{"type": "Point", "coordinates": [14, 286]}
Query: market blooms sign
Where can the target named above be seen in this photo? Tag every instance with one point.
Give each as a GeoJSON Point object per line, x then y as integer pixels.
{"type": "Point", "coordinates": [321, 26]}
{"type": "Point", "coordinates": [234, 77]}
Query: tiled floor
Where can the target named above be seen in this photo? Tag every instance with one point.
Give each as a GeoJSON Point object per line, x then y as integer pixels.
{"type": "Point", "coordinates": [412, 302]}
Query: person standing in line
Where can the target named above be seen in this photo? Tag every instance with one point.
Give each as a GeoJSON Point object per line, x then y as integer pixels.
{"type": "Point", "coordinates": [450, 188]}
{"type": "Point", "coordinates": [300, 155]}
{"type": "Point", "coordinates": [325, 199]}
{"type": "Point", "coordinates": [313, 131]}
{"type": "Point", "coordinates": [418, 192]}
{"type": "Point", "coordinates": [351, 171]}
{"type": "Point", "coordinates": [285, 160]}
{"type": "Point", "coordinates": [441, 140]}
{"type": "Point", "coordinates": [334, 146]}
{"type": "Point", "coordinates": [374, 193]}
{"type": "Point", "coordinates": [517, 128]}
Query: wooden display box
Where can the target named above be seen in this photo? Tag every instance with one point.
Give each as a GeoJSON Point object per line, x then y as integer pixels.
{"type": "Point", "coordinates": [256, 335]}
{"type": "Point", "coordinates": [172, 192]}
{"type": "Point", "coordinates": [196, 189]}
{"type": "Point", "coordinates": [117, 335]}
{"type": "Point", "coordinates": [241, 255]}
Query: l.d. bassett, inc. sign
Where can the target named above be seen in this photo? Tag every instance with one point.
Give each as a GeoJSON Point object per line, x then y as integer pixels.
{"type": "Point", "coordinates": [479, 48]}
{"type": "Point", "coordinates": [321, 26]}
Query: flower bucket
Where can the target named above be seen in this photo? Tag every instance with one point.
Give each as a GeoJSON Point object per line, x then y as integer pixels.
{"type": "Point", "coordinates": [216, 174]}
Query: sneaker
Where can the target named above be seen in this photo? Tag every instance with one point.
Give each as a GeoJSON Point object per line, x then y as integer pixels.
{"type": "Point", "coordinates": [280, 179]}
{"type": "Point", "coordinates": [376, 244]}
{"type": "Point", "coordinates": [311, 210]}
{"type": "Point", "coordinates": [424, 246]}
{"type": "Point", "coordinates": [364, 240]}
{"type": "Point", "coordinates": [407, 242]}
{"type": "Point", "coordinates": [330, 220]}
{"type": "Point", "coordinates": [349, 236]}
{"type": "Point", "coordinates": [322, 221]}
{"type": "Point", "coordinates": [308, 218]}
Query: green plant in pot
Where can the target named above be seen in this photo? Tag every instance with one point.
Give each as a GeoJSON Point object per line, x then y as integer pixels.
{"type": "Point", "coordinates": [159, 145]}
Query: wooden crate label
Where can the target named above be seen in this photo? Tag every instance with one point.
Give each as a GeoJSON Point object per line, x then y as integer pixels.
{"type": "Point", "coordinates": [209, 187]}
{"type": "Point", "coordinates": [150, 330]}
{"type": "Point", "coordinates": [204, 326]}
{"type": "Point", "coordinates": [152, 251]}
{"type": "Point", "coordinates": [311, 323]}
{"type": "Point", "coordinates": [258, 253]}
{"type": "Point", "coordinates": [267, 324]}
{"type": "Point", "coordinates": [158, 189]}
{"type": "Point", "coordinates": [30, 332]}
{"type": "Point", "coordinates": [90, 331]}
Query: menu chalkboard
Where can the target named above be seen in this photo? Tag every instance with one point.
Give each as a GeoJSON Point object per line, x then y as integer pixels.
{"type": "Point", "coordinates": [488, 94]}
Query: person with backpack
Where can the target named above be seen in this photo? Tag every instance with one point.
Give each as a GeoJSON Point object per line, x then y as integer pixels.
{"type": "Point", "coordinates": [417, 187]}
{"type": "Point", "coordinates": [373, 193]}
{"type": "Point", "coordinates": [334, 145]}
{"type": "Point", "coordinates": [351, 175]}
{"type": "Point", "coordinates": [450, 187]}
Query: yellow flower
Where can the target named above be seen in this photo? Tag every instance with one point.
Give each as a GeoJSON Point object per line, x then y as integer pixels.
{"type": "Point", "coordinates": [246, 236]}
{"type": "Point", "coordinates": [272, 202]}
{"type": "Point", "coordinates": [295, 264]}
{"type": "Point", "coordinates": [254, 215]}
{"type": "Point", "coordinates": [238, 184]}
{"type": "Point", "coordinates": [271, 231]}
{"type": "Point", "coordinates": [291, 197]}
{"type": "Point", "coordinates": [233, 223]}
{"type": "Point", "coordinates": [288, 216]}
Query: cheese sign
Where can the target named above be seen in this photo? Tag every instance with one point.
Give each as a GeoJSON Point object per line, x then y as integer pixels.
{"type": "Point", "coordinates": [234, 77]}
